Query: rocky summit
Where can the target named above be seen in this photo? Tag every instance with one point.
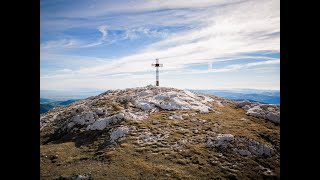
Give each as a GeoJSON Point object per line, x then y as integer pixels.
{"type": "Point", "coordinates": [160, 133]}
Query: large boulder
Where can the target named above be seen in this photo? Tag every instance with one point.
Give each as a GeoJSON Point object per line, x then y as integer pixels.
{"type": "Point", "coordinates": [243, 103]}
{"type": "Point", "coordinates": [257, 148]}
{"type": "Point", "coordinates": [256, 111]}
{"type": "Point", "coordinates": [86, 117]}
{"type": "Point", "coordinates": [273, 116]}
{"type": "Point", "coordinates": [102, 123]}
{"type": "Point", "coordinates": [144, 105]}
{"type": "Point", "coordinates": [266, 111]}
{"type": "Point", "coordinates": [222, 140]}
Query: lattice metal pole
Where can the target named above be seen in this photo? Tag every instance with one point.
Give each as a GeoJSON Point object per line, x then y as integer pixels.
{"type": "Point", "coordinates": [157, 65]}
{"type": "Point", "coordinates": [157, 72]}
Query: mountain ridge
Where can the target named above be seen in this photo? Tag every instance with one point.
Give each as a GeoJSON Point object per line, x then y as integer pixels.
{"type": "Point", "coordinates": [193, 134]}
{"type": "Point", "coordinates": [47, 104]}
{"type": "Point", "coordinates": [263, 96]}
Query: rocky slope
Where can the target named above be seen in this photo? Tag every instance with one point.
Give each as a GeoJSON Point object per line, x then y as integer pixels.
{"type": "Point", "coordinates": [160, 133]}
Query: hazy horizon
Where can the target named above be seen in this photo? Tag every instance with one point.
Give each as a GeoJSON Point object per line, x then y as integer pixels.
{"type": "Point", "coordinates": [67, 95]}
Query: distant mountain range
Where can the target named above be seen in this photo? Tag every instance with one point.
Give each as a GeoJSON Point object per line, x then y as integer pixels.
{"type": "Point", "coordinates": [263, 96]}
{"type": "Point", "coordinates": [60, 95]}
{"type": "Point", "coordinates": [47, 104]}
{"type": "Point", "coordinates": [45, 108]}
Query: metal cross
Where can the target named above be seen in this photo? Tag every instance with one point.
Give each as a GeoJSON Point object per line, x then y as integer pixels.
{"type": "Point", "coordinates": [157, 65]}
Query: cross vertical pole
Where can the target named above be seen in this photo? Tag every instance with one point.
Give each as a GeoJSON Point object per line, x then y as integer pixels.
{"type": "Point", "coordinates": [157, 72]}
{"type": "Point", "coordinates": [157, 65]}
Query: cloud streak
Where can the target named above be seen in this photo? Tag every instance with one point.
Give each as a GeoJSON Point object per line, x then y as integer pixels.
{"type": "Point", "coordinates": [188, 33]}
{"type": "Point", "coordinates": [104, 35]}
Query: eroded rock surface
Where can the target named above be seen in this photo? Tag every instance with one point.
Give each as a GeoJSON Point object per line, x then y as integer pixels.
{"type": "Point", "coordinates": [266, 111]}
{"type": "Point", "coordinates": [155, 126]}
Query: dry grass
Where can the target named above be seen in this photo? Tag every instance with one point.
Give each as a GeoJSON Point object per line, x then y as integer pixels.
{"type": "Point", "coordinates": [128, 160]}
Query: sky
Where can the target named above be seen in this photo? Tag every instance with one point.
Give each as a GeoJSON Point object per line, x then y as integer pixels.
{"type": "Point", "coordinates": [202, 44]}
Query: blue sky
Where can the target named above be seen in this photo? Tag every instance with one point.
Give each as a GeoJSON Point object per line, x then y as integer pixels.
{"type": "Point", "coordinates": [203, 44]}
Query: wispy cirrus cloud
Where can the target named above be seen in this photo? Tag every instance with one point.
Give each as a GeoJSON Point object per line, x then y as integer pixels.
{"type": "Point", "coordinates": [101, 8]}
{"type": "Point", "coordinates": [61, 43]}
{"type": "Point", "coordinates": [236, 67]}
{"type": "Point", "coordinates": [104, 35]}
{"type": "Point", "coordinates": [180, 34]}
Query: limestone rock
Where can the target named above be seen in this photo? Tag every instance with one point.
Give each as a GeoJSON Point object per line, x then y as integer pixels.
{"type": "Point", "coordinates": [144, 105]}
{"type": "Point", "coordinates": [100, 124]}
{"type": "Point", "coordinates": [222, 140]}
{"type": "Point", "coordinates": [86, 117]}
{"type": "Point", "coordinates": [118, 132]}
{"type": "Point", "coordinates": [266, 111]}
{"type": "Point", "coordinates": [178, 117]}
{"type": "Point", "coordinates": [273, 116]}
{"type": "Point", "coordinates": [100, 111]}
{"type": "Point", "coordinates": [260, 149]}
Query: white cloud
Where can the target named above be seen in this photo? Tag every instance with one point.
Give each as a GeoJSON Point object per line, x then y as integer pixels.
{"type": "Point", "coordinates": [62, 43]}
{"type": "Point", "coordinates": [104, 35]}
{"type": "Point", "coordinates": [218, 31]}
{"type": "Point", "coordinates": [102, 7]}
{"type": "Point", "coordinates": [104, 32]}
